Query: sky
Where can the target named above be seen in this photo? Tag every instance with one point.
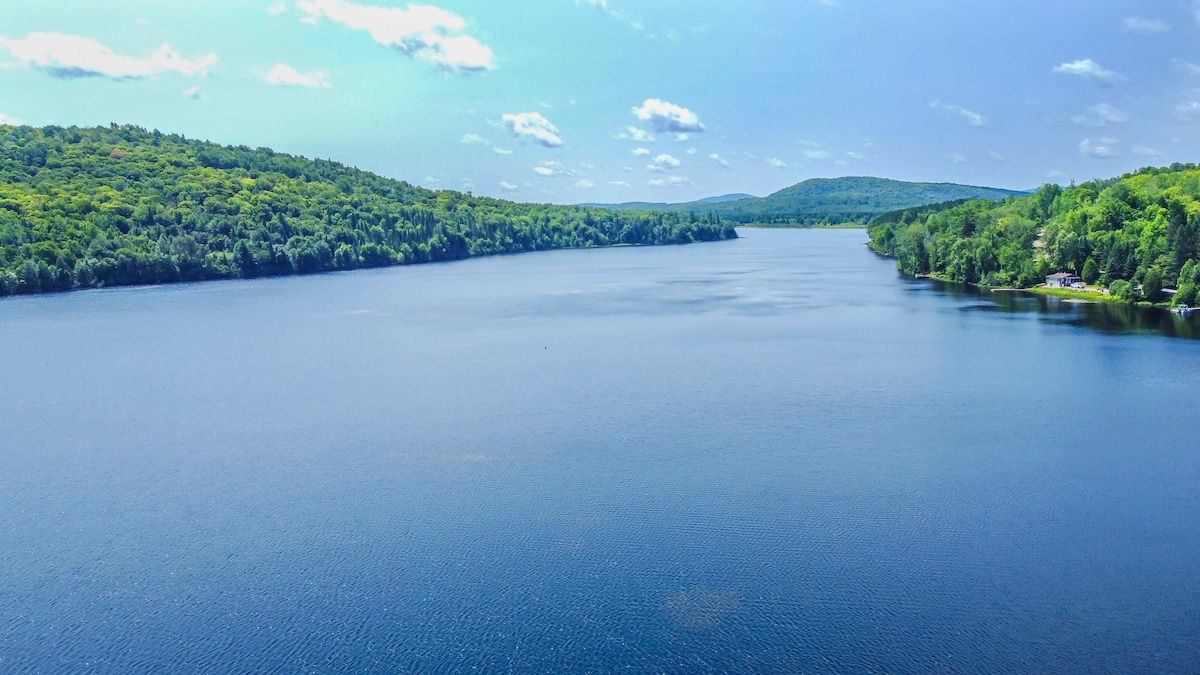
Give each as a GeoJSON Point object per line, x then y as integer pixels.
{"type": "Point", "coordinates": [570, 101]}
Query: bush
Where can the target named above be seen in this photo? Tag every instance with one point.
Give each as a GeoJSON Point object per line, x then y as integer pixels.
{"type": "Point", "coordinates": [1152, 285]}
{"type": "Point", "coordinates": [1125, 291]}
{"type": "Point", "coordinates": [1186, 296]}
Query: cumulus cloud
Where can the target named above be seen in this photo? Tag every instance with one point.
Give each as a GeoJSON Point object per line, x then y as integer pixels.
{"type": "Point", "coordinates": [664, 162]}
{"type": "Point", "coordinates": [71, 56]}
{"type": "Point", "coordinates": [1101, 115]}
{"type": "Point", "coordinates": [777, 163]}
{"type": "Point", "coordinates": [668, 118]}
{"type": "Point", "coordinates": [1102, 148]}
{"type": "Point", "coordinates": [277, 8]}
{"type": "Point", "coordinates": [721, 161]}
{"type": "Point", "coordinates": [501, 151]}
{"type": "Point", "coordinates": [507, 187]}
{"type": "Point", "coordinates": [423, 32]}
{"type": "Point", "coordinates": [670, 181]}
{"type": "Point", "coordinates": [634, 134]}
{"type": "Point", "coordinates": [550, 169]}
{"type": "Point", "coordinates": [283, 74]}
{"type": "Point", "coordinates": [194, 93]}
{"type": "Point", "coordinates": [1137, 24]}
{"type": "Point", "coordinates": [472, 139]}
{"type": "Point", "coordinates": [534, 126]}
{"type": "Point", "coordinates": [973, 118]}
{"type": "Point", "coordinates": [640, 152]}
{"type": "Point", "coordinates": [585, 184]}
{"type": "Point", "coordinates": [1090, 70]}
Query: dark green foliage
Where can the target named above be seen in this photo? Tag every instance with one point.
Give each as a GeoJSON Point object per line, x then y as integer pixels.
{"type": "Point", "coordinates": [119, 205]}
{"type": "Point", "coordinates": [1152, 285]}
{"type": "Point", "coordinates": [823, 201]}
{"type": "Point", "coordinates": [1143, 227]}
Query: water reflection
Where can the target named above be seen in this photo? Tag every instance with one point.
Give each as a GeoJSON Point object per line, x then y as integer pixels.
{"type": "Point", "coordinates": [1104, 317]}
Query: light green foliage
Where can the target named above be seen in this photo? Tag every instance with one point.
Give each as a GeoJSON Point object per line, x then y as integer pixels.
{"type": "Point", "coordinates": [1133, 227]}
{"type": "Point", "coordinates": [120, 205]}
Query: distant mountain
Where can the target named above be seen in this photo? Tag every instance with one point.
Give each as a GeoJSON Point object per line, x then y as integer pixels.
{"type": "Point", "coordinates": [828, 200]}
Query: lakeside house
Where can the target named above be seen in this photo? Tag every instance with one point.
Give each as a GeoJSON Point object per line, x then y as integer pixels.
{"type": "Point", "coordinates": [1062, 280]}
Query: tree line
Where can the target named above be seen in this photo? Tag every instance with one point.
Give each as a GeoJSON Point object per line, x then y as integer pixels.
{"type": "Point", "coordinates": [120, 205]}
{"type": "Point", "coordinates": [1137, 235]}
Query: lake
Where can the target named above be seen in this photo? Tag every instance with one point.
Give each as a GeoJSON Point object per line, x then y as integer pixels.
{"type": "Point", "coordinates": [766, 455]}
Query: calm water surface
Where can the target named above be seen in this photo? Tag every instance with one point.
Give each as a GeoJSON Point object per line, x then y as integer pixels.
{"type": "Point", "coordinates": [768, 455]}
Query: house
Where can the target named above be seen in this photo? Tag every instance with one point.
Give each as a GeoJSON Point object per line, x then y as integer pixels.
{"type": "Point", "coordinates": [1062, 280]}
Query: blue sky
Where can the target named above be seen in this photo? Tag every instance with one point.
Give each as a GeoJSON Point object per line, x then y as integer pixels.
{"type": "Point", "coordinates": [621, 100]}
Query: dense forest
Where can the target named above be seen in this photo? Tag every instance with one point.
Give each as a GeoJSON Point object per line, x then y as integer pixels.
{"type": "Point", "coordinates": [1136, 235]}
{"type": "Point", "coordinates": [119, 205]}
{"type": "Point", "coordinates": [830, 201]}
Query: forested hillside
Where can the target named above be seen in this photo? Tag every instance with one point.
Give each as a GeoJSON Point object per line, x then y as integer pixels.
{"type": "Point", "coordinates": [1137, 235]}
{"type": "Point", "coordinates": [822, 201]}
{"type": "Point", "coordinates": [119, 205]}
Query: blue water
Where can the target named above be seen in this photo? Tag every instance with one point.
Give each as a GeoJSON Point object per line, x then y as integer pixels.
{"type": "Point", "coordinates": [766, 455]}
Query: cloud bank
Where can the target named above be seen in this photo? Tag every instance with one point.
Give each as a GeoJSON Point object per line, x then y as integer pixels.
{"type": "Point", "coordinates": [72, 56]}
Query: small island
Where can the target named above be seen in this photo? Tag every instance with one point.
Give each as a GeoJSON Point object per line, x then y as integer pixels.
{"type": "Point", "coordinates": [1133, 239]}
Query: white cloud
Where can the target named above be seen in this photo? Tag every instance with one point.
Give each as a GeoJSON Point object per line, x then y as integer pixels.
{"type": "Point", "coordinates": [957, 158]}
{"type": "Point", "coordinates": [602, 5]}
{"type": "Point", "coordinates": [1188, 111]}
{"type": "Point", "coordinates": [1137, 24]}
{"type": "Point", "coordinates": [277, 8]}
{"type": "Point", "coordinates": [691, 151]}
{"type": "Point", "coordinates": [995, 156]}
{"type": "Point", "coordinates": [194, 93]}
{"type": "Point", "coordinates": [501, 151]}
{"type": "Point", "coordinates": [628, 169]}
{"type": "Point", "coordinates": [423, 32]}
{"type": "Point", "coordinates": [283, 74]}
{"type": "Point", "coordinates": [664, 162]}
{"type": "Point", "coordinates": [640, 152]}
{"type": "Point", "coordinates": [72, 56]}
{"type": "Point", "coordinates": [682, 138]}
{"type": "Point", "coordinates": [1101, 115]}
{"type": "Point", "coordinates": [432, 180]}
{"type": "Point", "coordinates": [668, 118]}
{"type": "Point", "coordinates": [777, 163]}
{"type": "Point", "coordinates": [817, 154]}
{"type": "Point", "coordinates": [1102, 148]}
{"type": "Point", "coordinates": [721, 161]}
{"type": "Point", "coordinates": [1090, 70]}
{"type": "Point", "coordinates": [634, 134]}
{"type": "Point", "coordinates": [585, 184]}
{"type": "Point", "coordinates": [856, 155]}
{"type": "Point", "coordinates": [535, 126]}
{"type": "Point", "coordinates": [472, 139]}
{"type": "Point", "coordinates": [973, 118]}
{"type": "Point", "coordinates": [618, 183]}
{"type": "Point", "coordinates": [1144, 151]}
{"type": "Point", "coordinates": [10, 121]}
{"type": "Point", "coordinates": [507, 187]}
{"type": "Point", "coordinates": [1186, 66]}
{"type": "Point", "coordinates": [549, 169]}
{"type": "Point", "coordinates": [670, 181]}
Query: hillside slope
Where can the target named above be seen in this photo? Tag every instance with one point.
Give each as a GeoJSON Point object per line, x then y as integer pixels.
{"type": "Point", "coordinates": [119, 205]}
{"type": "Point", "coordinates": [1135, 234]}
{"type": "Point", "coordinates": [832, 200]}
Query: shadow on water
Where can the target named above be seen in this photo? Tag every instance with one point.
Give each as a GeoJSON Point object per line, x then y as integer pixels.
{"type": "Point", "coordinates": [1103, 317]}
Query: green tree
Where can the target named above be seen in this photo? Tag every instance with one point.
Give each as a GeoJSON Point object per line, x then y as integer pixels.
{"type": "Point", "coordinates": [1152, 285]}
{"type": "Point", "coordinates": [1091, 272]}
